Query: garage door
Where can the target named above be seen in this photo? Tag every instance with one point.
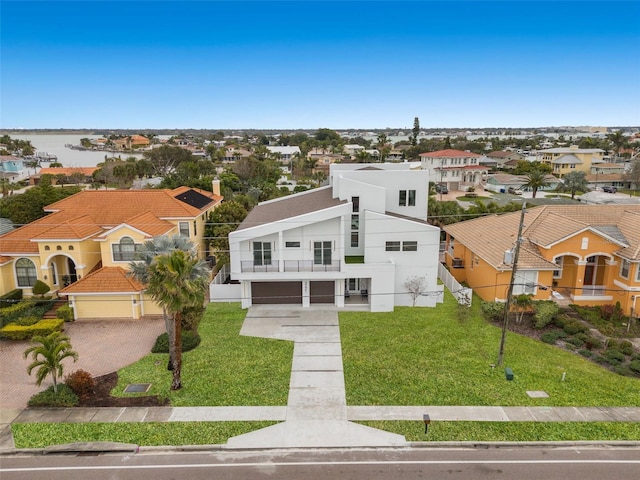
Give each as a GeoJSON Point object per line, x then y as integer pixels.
{"type": "Point", "coordinates": [322, 292]}
{"type": "Point", "coordinates": [276, 292]}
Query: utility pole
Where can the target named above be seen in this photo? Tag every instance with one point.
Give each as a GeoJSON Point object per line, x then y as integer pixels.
{"type": "Point", "coordinates": [507, 306]}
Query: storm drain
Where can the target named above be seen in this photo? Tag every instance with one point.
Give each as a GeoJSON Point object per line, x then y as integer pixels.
{"type": "Point", "coordinates": [137, 388]}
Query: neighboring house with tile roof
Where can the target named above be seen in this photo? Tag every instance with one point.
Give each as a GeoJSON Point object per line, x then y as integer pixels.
{"type": "Point", "coordinates": [571, 159]}
{"type": "Point", "coordinates": [357, 240]}
{"type": "Point", "coordinates": [458, 170]}
{"type": "Point", "coordinates": [67, 175]}
{"type": "Point", "coordinates": [83, 247]}
{"type": "Point", "coordinates": [587, 253]}
{"type": "Point", "coordinates": [500, 157]}
{"type": "Point", "coordinates": [500, 182]}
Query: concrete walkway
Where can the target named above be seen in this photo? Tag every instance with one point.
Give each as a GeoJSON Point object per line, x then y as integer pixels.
{"type": "Point", "coordinates": [316, 414]}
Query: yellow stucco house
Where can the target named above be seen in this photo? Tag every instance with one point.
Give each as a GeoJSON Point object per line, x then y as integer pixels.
{"type": "Point", "coordinates": [83, 247]}
{"type": "Point", "coordinates": [588, 254]}
{"type": "Point", "coordinates": [572, 159]}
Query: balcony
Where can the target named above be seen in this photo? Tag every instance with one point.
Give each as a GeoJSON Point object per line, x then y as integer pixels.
{"type": "Point", "coordinates": [310, 266]}
{"type": "Point", "coordinates": [290, 266]}
{"type": "Point", "coordinates": [593, 291]}
{"type": "Point", "coordinates": [249, 266]}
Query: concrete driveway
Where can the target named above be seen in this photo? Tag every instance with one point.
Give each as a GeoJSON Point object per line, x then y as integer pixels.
{"type": "Point", "coordinates": [103, 346]}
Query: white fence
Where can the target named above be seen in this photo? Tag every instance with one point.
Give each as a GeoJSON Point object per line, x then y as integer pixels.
{"type": "Point", "coordinates": [224, 292]}
{"type": "Point", "coordinates": [463, 294]}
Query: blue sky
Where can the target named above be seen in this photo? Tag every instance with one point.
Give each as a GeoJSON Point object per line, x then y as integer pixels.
{"type": "Point", "coordinates": [334, 64]}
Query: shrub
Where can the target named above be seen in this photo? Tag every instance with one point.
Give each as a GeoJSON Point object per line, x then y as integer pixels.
{"type": "Point", "coordinates": [626, 347]}
{"type": "Point", "coordinates": [586, 353]}
{"type": "Point", "coordinates": [575, 327]}
{"type": "Point", "coordinates": [10, 298]}
{"type": "Point", "coordinates": [27, 321]}
{"type": "Point", "coordinates": [15, 311]}
{"type": "Point", "coordinates": [614, 357]}
{"type": "Point", "coordinates": [635, 366]}
{"type": "Point", "coordinates": [81, 382]}
{"type": "Point", "coordinates": [492, 311]}
{"type": "Point", "coordinates": [545, 312]}
{"type": "Point", "coordinates": [561, 320]}
{"type": "Point", "coordinates": [64, 398]}
{"type": "Point", "coordinates": [40, 288]}
{"type": "Point", "coordinates": [190, 341]}
{"type": "Point", "coordinates": [592, 343]}
{"type": "Point", "coordinates": [575, 341]}
{"type": "Point", "coordinates": [43, 328]}
{"type": "Point", "coordinates": [552, 337]}
{"type": "Point", "coordinates": [65, 312]}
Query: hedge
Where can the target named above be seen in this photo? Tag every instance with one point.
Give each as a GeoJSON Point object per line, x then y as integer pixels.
{"type": "Point", "coordinates": [43, 327]}
{"type": "Point", "coordinates": [10, 298]}
{"type": "Point", "coordinates": [9, 314]}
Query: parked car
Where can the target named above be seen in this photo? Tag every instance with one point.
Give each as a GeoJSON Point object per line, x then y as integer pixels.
{"type": "Point", "coordinates": [514, 191]}
{"type": "Point", "coordinates": [609, 189]}
{"type": "Point", "coordinates": [441, 188]}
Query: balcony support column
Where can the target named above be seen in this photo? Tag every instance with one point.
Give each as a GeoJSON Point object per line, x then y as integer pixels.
{"type": "Point", "coordinates": [280, 251]}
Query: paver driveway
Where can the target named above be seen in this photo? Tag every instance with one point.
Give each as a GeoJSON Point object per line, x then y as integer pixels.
{"type": "Point", "coordinates": [103, 346]}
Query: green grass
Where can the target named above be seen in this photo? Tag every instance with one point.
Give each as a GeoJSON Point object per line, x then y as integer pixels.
{"type": "Point", "coordinates": [510, 431]}
{"type": "Point", "coordinates": [424, 356]}
{"type": "Point", "coordinates": [40, 435]}
{"type": "Point", "coordinates": [225, 369]}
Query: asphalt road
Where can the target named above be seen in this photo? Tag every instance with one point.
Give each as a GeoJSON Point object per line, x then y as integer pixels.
{"type": "Point", "coordinates": [522, 463]}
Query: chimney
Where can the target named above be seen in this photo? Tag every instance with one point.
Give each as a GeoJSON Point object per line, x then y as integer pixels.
{"type": "Point", "coordinates": [215, 184]}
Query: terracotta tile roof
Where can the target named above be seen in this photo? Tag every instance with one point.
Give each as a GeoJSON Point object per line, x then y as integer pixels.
{"type": "Point", "coordinates": [80, 227]}
{"type": "Point", "coordinates": [104, 280]}
{"type": "Point", "coordinates": [450, 153]}
{"type": "Point", "coordinates": [488, 237]}
{"type": "Point", "coordinates": [291, 206]}
{"type": "Point", "coordinates": [4, 259]}
{"type": "Point", "coordinates": [88, 171]}
{"type": "Point", "coordinates": [91, 212]}
{"type": "Point", "coordinates": [112, 207]}
{"type": "Point", "coordinates": [148, 223]}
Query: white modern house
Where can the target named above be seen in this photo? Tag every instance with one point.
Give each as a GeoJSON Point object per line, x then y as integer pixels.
{"type": "Point", "coordinates": [358, 240]}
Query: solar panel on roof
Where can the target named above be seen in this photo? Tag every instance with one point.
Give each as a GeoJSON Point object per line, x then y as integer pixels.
{"type": "Point", "coordinates": [193, 198]}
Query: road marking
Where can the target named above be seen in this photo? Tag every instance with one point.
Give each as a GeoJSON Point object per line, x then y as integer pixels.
{"type": "Point", "coordinates": [306, 464]}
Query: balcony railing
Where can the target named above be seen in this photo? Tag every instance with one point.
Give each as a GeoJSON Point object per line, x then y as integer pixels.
{"type": "Point", "coordinates": [291, 266]}
{"type": "Point", "coordinates": [593, 290]}
{"type": "Point", "coordinates": [249, 266]}
{"type": "Point", "coordinates": [309, 266]}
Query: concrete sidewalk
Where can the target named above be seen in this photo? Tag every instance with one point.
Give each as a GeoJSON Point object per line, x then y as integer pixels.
{"type": "Point", "coordinates": [316, 414]}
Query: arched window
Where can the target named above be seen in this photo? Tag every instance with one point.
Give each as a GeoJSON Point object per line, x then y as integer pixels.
{"type": "Point", "coordinates": [46, 247]}
{"type": "Point", "coordinates": [26, 273]}
{"type": "Point", "coordinates": [70, 247]}
{"type": "Point", "coordinates": [125, 250]}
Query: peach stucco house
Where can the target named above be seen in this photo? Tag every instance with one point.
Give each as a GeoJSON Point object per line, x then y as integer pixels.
{"type": "Point", "coordinates": [83, 247]}
{"type": "Point", "coordinates": [589, 254]}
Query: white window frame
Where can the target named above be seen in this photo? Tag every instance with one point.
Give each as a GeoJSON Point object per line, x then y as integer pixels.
{"type": "Point", "coordinates": [560, 262]}
{"type": "Point", "coordinates": [182, 226]}
{"type": "Point", "coordinates": [125, 254]}
{"type": "Point", "coordinates": [410, 246]}
{"type": "Point", "coordinates": [30, 276]}
{"type": "Point", "coordinates": [625, 265]}
{"type": "Point", "coordinates": [259, 249]}
{"type": "Point", "coordinates": [392, 246]}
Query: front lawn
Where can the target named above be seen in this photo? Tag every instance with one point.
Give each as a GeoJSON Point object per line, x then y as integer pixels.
{"type": "Point", "coordinates": [426, 356]}
{"type": "Point", "coordinates": [225, 369]}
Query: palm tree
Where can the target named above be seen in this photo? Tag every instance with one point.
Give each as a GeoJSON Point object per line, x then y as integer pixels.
{"type": "Point", "coordinates": [574, 182]}
{"type": "Point", "coordinates": [48, 356]}
{"type": "Point", "coordinates": [177, 281]}
{"type": "Point", "coordinates": [536, 179]}
{"type": "Point", "coordinates": [139, 270]}
{"type": "Point", "coordinates": [618, 140]}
